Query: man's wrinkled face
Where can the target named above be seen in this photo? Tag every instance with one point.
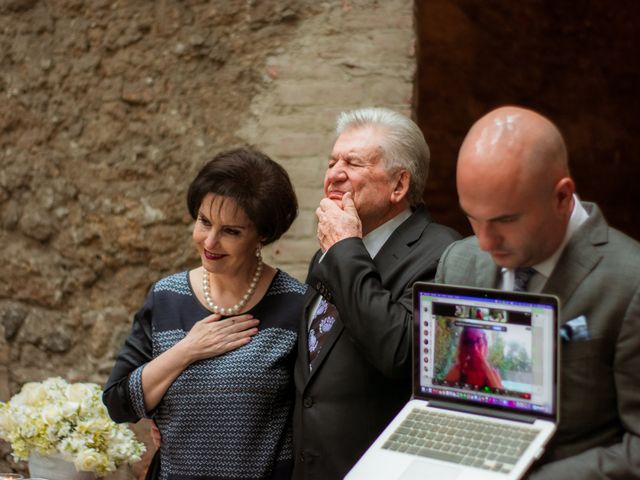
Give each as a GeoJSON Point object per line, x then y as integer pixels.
{"type": "Point", "coordinates": [356, 165]}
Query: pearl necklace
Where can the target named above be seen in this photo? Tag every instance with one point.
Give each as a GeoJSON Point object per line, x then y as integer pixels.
{"type": "Point", "coordinates": [243, 301]}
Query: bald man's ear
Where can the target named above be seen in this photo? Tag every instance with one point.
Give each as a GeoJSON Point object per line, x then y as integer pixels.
{"type": "Point", "coordinates": [403, 181]}
{"type": "Point", "coordinates": [564, 190]}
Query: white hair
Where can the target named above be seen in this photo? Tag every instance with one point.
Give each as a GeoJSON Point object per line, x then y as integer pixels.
{"type": "Point", "coordinates": [403, 146]}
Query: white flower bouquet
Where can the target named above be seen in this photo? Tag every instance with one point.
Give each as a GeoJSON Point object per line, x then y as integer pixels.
{"type": "Point", "coordinates": [56, 417]}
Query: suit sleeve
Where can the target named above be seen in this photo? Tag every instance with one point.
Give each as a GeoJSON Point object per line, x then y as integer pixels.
{"type": "Point", "coordinates": [620, 460]}
{"type": "Point", "coordinates": [377, 320]}
{"type": "Point", "coordinates": [441, 270]}
{"type": "Point", "coordinates": [123, 394]}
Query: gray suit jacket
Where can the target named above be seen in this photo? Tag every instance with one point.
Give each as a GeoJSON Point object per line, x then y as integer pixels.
{"type": "Point", "coordinates": [362, 375]}
{"type": "Point", "coordinates": [598, 276]}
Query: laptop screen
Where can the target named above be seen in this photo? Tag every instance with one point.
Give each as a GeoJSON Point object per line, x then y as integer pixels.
{"type": "Point", "coordinates": [492, 348]}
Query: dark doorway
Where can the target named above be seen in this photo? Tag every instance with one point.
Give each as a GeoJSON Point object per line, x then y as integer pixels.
{"type": "Point", "coordinates": [575, 62]}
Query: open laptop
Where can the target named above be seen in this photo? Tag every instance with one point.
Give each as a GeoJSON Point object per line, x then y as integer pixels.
{"type": "Point", "coordinates": [485, 365]}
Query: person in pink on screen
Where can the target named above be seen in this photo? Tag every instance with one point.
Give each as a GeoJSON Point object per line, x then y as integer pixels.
{"type": "Point", "coordinates": [472, 365]}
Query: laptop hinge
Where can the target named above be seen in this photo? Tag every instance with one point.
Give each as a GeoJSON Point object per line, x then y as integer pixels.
{"type": "Point", "coordinates": [483, 411]}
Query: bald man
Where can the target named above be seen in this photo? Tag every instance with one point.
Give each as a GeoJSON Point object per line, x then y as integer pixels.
{"type": "Point", "coordinates": [515, 188]}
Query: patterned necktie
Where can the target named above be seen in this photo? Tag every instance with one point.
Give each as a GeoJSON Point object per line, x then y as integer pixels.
{"type": "Point", "coordinates": [323, 319]}
{"type": "Point", "coordinates": [522, 277]}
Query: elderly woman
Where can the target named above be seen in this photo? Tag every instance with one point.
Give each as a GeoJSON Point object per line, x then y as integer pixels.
{"type": "Point", "coordinates": [210, 354]}
{"type": "Point", "coordinates": [472, 366]}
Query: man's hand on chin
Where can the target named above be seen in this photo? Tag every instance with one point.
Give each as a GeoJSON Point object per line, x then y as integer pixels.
{"type": "Point", "coordinates": [335, 223]}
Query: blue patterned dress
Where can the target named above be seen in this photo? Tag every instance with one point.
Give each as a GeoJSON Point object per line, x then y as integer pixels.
{"type": "Point", "coordinates": [227, 417]}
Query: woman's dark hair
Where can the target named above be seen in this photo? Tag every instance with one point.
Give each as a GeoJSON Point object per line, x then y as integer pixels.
{"type": "Point", "coordinates": [259, 186]}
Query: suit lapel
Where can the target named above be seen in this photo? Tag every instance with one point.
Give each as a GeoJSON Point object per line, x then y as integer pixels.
{"type": "Point", "coordinates": [579, 257]}
{"type": "Point", "coordinates": [398, 244]}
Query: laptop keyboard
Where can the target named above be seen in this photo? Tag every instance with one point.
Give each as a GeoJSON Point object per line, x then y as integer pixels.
{"type": "Point", "coordinates": [461, 440]}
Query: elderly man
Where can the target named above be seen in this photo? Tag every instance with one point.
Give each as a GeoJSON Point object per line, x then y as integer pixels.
{"type": "Point", "coordinates": [515, 188]}
{"type": "Point", "coordinates": [353, 371]}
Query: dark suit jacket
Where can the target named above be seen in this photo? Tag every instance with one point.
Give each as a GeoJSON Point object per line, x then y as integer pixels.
{"type": "Point", "coordinates": [362, 375]}
{"type": "Point", "coordinates": [598, 276]}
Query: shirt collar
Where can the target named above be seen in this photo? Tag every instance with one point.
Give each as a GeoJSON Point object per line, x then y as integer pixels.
{"type": "Point", "coordinates": [375, 239]}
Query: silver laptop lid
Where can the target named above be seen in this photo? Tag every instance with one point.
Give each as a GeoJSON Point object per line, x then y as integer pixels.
{"type": "Point", "coordinates": [486, 349]}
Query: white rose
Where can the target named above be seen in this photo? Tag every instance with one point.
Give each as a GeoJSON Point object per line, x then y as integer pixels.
{"type": "Point", "coordinates": [78, 392]}
{"type": "Point", "coordinates": [6, 421]}
{"type": "Point", "coordinates": [51, 414]}
{"type": "Point", "coordinates": [87, 460]}
{"type": "Point", "coordinates": [69, 409]}
{"type": "Point", "coordinates": [34, 393]}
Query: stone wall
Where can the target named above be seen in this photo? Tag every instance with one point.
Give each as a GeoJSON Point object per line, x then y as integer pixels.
{"type": "Point", "coordinates": [108, 108]}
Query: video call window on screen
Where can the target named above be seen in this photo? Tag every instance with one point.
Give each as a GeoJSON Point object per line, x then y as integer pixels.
{"type": "Point", "coordinates": [480, 349]}
{"type": "Point", "coordinates": [473, 355]}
